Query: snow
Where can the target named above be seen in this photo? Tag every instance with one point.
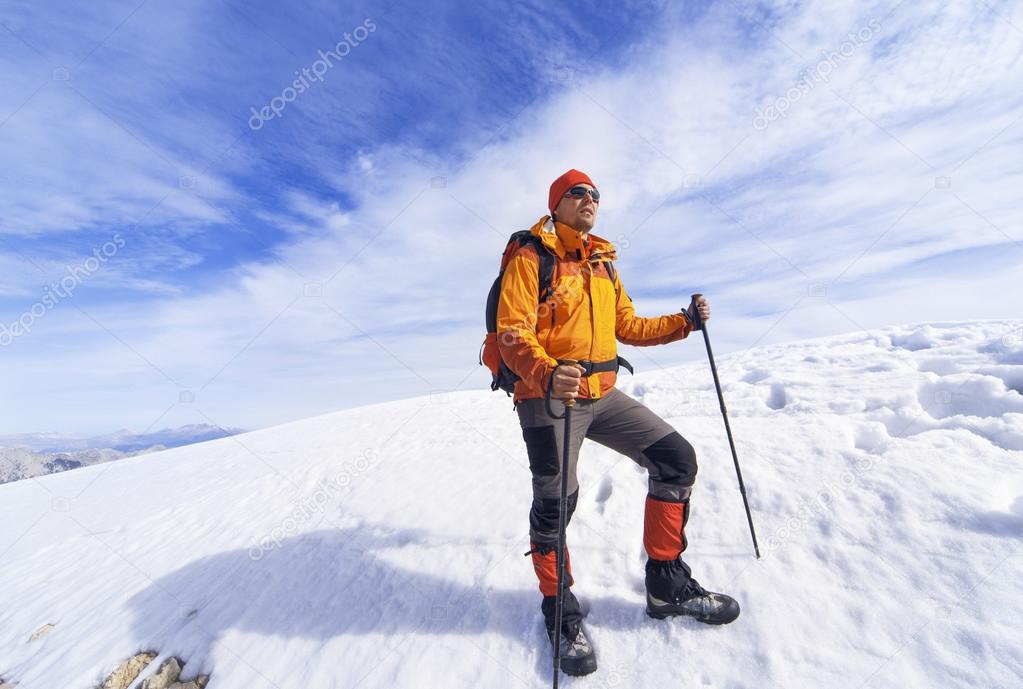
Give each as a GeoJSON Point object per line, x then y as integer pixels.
{"type": "Point", "coordinates": [383, 546]}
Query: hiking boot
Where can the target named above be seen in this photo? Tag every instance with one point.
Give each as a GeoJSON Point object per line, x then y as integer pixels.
{"type": "Point", "coordinates": [671, 590]}
{"type": "Point", "coordinates": [577, 655]}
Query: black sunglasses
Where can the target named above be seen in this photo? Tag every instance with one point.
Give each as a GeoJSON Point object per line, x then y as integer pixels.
{"type": "Point", "coordinates": [580, 192]}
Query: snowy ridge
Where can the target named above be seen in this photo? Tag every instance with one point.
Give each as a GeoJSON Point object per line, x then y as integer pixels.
{"type": "Point", "coordinates": [122, 440]}
{"type": "Point", "coordinates": [17, 463]}
{"type": "Point", "coordinates": [29, 455]}
{"type": "Point", "coordinates": [382, 546]}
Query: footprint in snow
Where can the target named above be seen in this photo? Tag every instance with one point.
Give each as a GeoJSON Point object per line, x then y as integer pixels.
{"type": "Point", "coordinates": [998, 523]}
{"type": "Point", "coordinates": [603, 493]}
{"type": "Point", "coordinates": [756, 375]}
{"type": "Point", "coordinates": [778, 397]}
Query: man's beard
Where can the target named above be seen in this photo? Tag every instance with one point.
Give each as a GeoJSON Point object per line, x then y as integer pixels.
{"type": "Point", "coordinates": [584, 223]}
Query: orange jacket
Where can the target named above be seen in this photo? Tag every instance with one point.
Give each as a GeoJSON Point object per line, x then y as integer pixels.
{"type": "Point", "coordinates": [581, 319]}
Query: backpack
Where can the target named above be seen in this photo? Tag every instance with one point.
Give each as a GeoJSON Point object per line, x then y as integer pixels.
{"type": "Point", "coordinates": [490, 354]}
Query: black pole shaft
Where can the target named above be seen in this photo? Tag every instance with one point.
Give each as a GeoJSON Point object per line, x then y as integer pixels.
{"type": "Point", "coordinates": [728, 427]}
{"type": "Point", "coordinates": [559, 603]}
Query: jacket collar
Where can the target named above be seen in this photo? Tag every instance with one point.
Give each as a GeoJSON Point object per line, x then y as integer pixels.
{"type": "Point", "coordinates": [563, 240]}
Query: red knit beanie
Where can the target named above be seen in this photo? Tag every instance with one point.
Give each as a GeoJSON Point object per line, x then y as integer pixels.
{"type": "Point", "coordinates": [563, 184]}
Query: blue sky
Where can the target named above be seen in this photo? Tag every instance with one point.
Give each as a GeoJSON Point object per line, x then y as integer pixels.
{"type": "Point", "coordinates": [340, 253]}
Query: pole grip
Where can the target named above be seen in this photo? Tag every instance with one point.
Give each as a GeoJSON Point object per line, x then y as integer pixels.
{"type": "Point", "coordinates": [570, 362]}
{"type": "Point", "coordinates": [693, 310]}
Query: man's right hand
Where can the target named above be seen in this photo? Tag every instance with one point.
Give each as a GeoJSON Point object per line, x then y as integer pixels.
{"type": "Point", "coordinates": [565, 381]}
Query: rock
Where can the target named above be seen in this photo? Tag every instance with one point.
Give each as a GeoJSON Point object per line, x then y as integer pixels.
{"type": "Point", "coordinates": [41, 632]}
{"type": "Point", "coordinates": [125, 673]}
{"type": "Point", "coordinates": [199, 682]}
{"type": "Point", "coordinates": [165, 676]}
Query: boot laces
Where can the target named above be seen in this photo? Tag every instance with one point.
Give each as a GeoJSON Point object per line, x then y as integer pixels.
{"type": "Point", "coordinates": [577, 643]}
{"type": "Point", "coordinates": [692, 590]}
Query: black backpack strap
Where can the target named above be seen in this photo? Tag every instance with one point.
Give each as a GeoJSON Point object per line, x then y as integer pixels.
{"type": "Point", "coordinates": [547, 261]}
{"type": "Point", "coordinates": [545, 274]}
{"type": "Point", "coordinates": [611, 272]}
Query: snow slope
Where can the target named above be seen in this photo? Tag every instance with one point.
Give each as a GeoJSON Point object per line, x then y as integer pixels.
{"type": "Point", "coordinates": [383, 546]}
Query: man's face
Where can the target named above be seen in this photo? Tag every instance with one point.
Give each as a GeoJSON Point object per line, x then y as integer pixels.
{"type": "Point", "coordinates": [579, 213]}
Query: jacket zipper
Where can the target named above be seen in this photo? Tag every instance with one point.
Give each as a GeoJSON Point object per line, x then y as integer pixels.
{"type": "Point", "coordinates": [554, 305]}
{"type": "Point", "coordinates": [550, 332]}
{"type": "Point", "coordinates": [593, 319]}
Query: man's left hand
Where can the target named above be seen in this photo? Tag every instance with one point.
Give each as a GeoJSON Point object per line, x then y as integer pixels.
{"type": "Point", "coordinates": [703, 307]}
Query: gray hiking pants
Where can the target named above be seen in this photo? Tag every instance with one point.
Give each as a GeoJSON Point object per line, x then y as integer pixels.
{"type": "Point", "coordinates": [616, 421]}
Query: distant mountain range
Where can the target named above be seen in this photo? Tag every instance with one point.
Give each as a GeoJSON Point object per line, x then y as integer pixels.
{"type": "Point", "coordinates": [26, 455]}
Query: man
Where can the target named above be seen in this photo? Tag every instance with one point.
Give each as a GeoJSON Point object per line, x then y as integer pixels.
{"type": "Point", "coordinates": [580, 319]}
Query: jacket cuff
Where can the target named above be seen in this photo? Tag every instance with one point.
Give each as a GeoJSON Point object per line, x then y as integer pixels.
{"type": "Point", "coordinates": [547, 376]}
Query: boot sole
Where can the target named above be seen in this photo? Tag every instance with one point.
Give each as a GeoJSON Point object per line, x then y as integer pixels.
{"type": "Point", "coordinates": [657, 615]}
{"type": "Point", "coordinates": [583, 666]}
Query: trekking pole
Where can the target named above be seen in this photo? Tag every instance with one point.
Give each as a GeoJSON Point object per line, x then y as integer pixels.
{"type": "Point", "coordinates": [724, 414]}
{"type": "Point", "coordinates": [559, 602]}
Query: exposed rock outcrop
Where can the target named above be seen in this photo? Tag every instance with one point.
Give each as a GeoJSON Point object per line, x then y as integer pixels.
{"type": "Point", "coordinates": [125, 673]}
